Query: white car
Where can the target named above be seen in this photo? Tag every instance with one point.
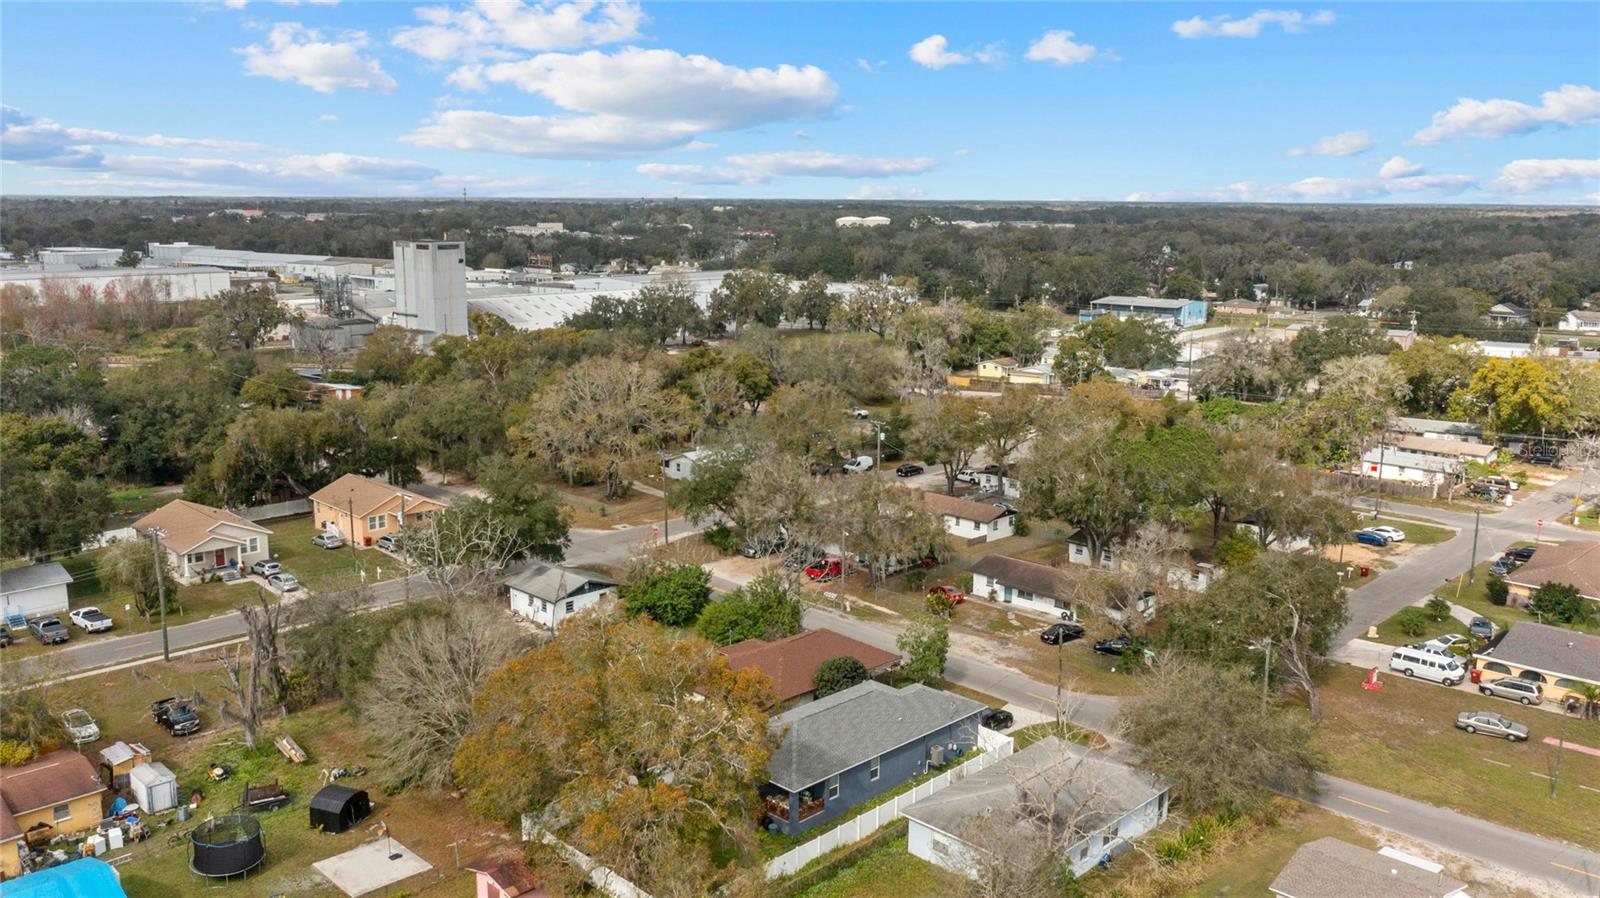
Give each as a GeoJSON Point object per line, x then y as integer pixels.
{"type": "Point", "coordinates": [860, 414]}
{"type": "Point", "coordinates": [1448, 641]}
{"type": "Point", "coordinates": [858, 465]}
{"type": "Point", "coordinates": [80, 726]}
{"type": "Point", "coordinates": [92, 620]}
{"type": "Point", "coordinates": [1392, 534]}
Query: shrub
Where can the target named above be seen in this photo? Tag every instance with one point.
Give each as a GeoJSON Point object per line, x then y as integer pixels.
{"type": "Point", "coordinates": [1237, 549]}
{"type": "Point", "coordinates": [940, 605]}
{"type": "Point", "coordinates": [764, 608]}
{"type": "Point", "coordinates": [1019, 526]}
{"type": "Point", "coordinates": [917, 579]}
{"type": "Point", "coordinates": [1412, 621]}
{"type": "Point", "coordinates": [1437, 608]}
{"type": "Point", "coordinates": [1497, 589]}
{"type": "Point", "coordinates": [672, 594]}
{"type": "Point", "coordinates": [723, 539]}
{"type": "Point", "coordinates": [1561, 603]}
{"type": "Point", "coordinates": [838, 674]}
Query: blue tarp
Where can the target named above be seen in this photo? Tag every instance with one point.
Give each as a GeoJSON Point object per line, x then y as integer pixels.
{"type": "Point", "coordinates": [85, 877]}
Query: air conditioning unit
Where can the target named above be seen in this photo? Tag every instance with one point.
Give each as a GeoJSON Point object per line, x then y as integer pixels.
{"type": "Point", "coordinates": [936, 755]}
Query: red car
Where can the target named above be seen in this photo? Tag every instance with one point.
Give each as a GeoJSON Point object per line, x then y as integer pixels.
{"type": "Point", "coordinates": [828, 568]}
{"type": "Point", "coordinates": [955, 595]}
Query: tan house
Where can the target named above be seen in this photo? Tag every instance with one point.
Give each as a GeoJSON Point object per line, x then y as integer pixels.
{"type": "Point", "coordinates": [1574, 562]}
{"type": "Point", "coordinates": [54, 795]}
{"type": "Point", "coordinates": [201, 540]}
{"type": "Point", "coordinates": [1563, 661]}
{"type": "Point", "coordinates": [998, 369]}
{"type": "Point", "coordinates": [362, 509]}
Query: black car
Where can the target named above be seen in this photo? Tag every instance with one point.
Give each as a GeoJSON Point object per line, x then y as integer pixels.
{"type": "Point", "coordinates": [5, 637]}
{"type": "Point", "coordinates": [1544, 455]}
{"type": "Point", "coordinates": [176, 716]}
{"type": "Point", "coordinates": [908, 469]}
{"type": "Point", "coordinates": [1491, 493]}
{"type": "Point", "coordinates": [1114, 646]}
{"type": "Point", "coordinates": [1057, 634]}
{"type": "Point", "coordinates": [48, 630]}
{"type": "Point", "coordinates": [1502, 565]}
{"type": "Point", "coordinates": [1523, 554]}
{"type": "Point", "coordinates": [996, 719]}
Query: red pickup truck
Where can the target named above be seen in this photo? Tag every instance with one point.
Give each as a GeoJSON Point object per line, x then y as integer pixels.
{"type": "Point", "coordinates": [955, 595]}
{"type": "Point", "coordinates": [826, 568]}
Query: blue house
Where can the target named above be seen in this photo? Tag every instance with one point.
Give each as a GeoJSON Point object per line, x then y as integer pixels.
{"type": "Point", "coordinates": [1179, 313]}
{"type": "Point", "coordinates": [844, 749]}
{"type": "Point", "coordinates": [85, 877]}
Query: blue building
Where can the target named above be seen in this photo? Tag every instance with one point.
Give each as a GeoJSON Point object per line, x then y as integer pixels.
{"type": "Point", "coordinates": [85, 877]}
{"type": "Point", "coordinates": [851, 746]}
{"type": "Point", "coordinates": [1179, 313]}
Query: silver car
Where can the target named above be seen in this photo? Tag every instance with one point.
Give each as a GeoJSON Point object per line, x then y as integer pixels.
{"type": "Point", "coordinates": [1514, 688]}
{"type": "Point", "coordinates": [1491, 724]}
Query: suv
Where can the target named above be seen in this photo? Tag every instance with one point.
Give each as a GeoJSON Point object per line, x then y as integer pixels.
{"type": "Point", "coordinates": [283, 581]}
{"type": "Point", "coordinates": [176, 716]}
{"type": "Point", "coordinates": [265, 568]}
{"type": "Point", "coordinates": [1482, 627]}
{"type": "Point", "coordinates": [80, 726]}
{"type": "Point", "coordinates": [909, 469]}
{"type": "Point", "coordinates": [1515, 688]}
{"type": "Point", "coordinates": [388, 542]}
{"type": "Point", "coordinates": [327, 540]}
{"type": "Point", "coordinates": [48, 630]}
{"type": "Point", "coordinates": [1522, 554]}
{"type": "Point", "coordinates": [92, 620]}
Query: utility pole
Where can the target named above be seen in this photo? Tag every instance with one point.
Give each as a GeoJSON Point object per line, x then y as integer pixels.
{"type": "Point", "coordinates": [1472, 573]}
{"type": "Point", "coordinates": [1266, 668]}
{"type": "Point", "coordinates": [405, 574]}
{"type": "Point", "coordinates": [1561, 749]}
{"type": "Point", "coordinates": [1383, 445]}
{"type": "Point", "coordinates": [156, 535]}
{"type": "Point", "coordinates": [877, 464]}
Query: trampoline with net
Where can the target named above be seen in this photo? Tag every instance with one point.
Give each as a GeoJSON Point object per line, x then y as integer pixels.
{"type": "Point", "coordinates": [226, 846]}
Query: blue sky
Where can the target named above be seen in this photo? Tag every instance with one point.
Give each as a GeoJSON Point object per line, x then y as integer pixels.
{"type": "Point", "coordinates": [1414, 102]}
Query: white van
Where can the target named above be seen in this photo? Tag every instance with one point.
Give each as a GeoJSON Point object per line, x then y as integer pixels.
{"type": "Point", "coordinates": [1412, 662]}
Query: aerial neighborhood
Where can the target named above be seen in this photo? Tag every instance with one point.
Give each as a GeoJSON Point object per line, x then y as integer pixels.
{"type": "Point", "coordinates": [374, 522]}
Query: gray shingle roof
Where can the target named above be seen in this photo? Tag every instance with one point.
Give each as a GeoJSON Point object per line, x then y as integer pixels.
{"type": "Point", "coordinates": [1092, 791]}
{"type": "Point", "coordinates": [849, 728]}
{"type": "Point", "coordinates": [1018, 573]}
{"type": "Point", "coordinates": [552, 582]}
{"type": "Point", "coordinates": [1138, 301]}
{"type": "Point", "coordinates": [1329, 868]}
{"type": "Point", "coordinates": [1574, 562]}
{"type": "Point", "coordinates": [1554, 649]}
{"type": "Point", "coordinates": [32, 577]}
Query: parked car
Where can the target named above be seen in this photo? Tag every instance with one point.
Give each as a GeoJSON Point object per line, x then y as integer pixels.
{"type": "Point", "coordinates": [1504, 484]}
{"type": "Point", "coordinates": [1522, 554]}
{"type": "Point", "coordinates": [283, 581]}
{"type": "Point", "coordinates": [1060, 634]}
{"type": "Point", "coordinates": [1514, 688]}
{"type": "Point", "coordinates": [1392, 534]}
{"type": "Point", "coordinates": [5, 637]}
{"type": "Point", "coordinates": [1487, 493]}
{"type": "Point", "coordinates": [92, 620]}
{"type": "Point", "coordinates": [860, 414]}
{"type": "Point", "coordinates": [829, 567]}
{"type": "Point", "coordinates": [953, 593]}
{"type": "Point", "coordinates": [966, 475]}
{"type": "Point", "coordinates": [858, 465]}
{"type": "Point", "coordinates": [81, 727]}
{"type": "Point", "coordinates": [1481, 627]}
{"type": "Point", "coordinates": [1369, 538]}
{"type": "Point", "coordinates": [1502, 565]}
{"type": "Point", "coordinates": [387, 542]}
{"type": "Point", "coordinates": [996, 719]}
{"type": "Point", "coordinates": [48, 630]}
{"type": "Point", "coordinates": [1544, 455]}
{"type": "Point", "coordinates": [1114, 646]}
{"type": "Point", "coordinates": [1491, 724]}
{"type": "Point", "coordinates": [909, 469]}
{"type": "Point", "coordinates": [802, 557]}
{"type": "Point", "coordinates": [265, 568]}
{"type": "Point", "coordinates": [327, 540]}
{"type": "Point", "coordinates": [1449, 641]}
{"type": "Point", "coordinates": [1004, 505]}
{"type": "Point", "coordinates": [176, 716]}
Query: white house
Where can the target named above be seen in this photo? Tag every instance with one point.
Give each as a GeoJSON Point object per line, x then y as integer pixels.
{"type": "Point", "coordinates": [1026, 584]}
{"type": "Point", "coordinates": [201, 540]}
{"type": "Point", "coordinates": [681, 466]}
{"type": "Point", "coordinates": [1500, 349]}
{"type": "Point", "coordinates": [1578, 320]}
{"type": "Point", "coordinates": [1437, 429]}
{"type": "Point", "coordinates": [1396, 464]}
{"type": "Point", "coordinates": [34, 590]}
{"type": "Point", "coordinates": [548, 594]}
{"type": "Point", "coordinates": [1078, 551]}
{"type": "Point", "coordinates": [990, 481]}
{"type": "Point", "coordinates": [975, 522]}
{"type": "Point", "coordinates": [1105, 805]}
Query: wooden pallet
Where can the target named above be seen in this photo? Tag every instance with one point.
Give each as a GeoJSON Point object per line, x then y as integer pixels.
{"type": "Point", "coordinates": [290, 748]}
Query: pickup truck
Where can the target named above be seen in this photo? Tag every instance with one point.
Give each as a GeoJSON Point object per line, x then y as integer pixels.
{"type": "Point", "coordinates": [176, 716]}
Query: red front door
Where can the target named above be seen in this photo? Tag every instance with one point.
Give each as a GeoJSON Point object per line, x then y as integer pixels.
{"type": "Point", "coordinates": [222, 558]}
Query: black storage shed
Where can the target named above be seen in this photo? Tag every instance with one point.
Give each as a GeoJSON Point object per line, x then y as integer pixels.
{"type": "Point", "coordinates": [337, 808]}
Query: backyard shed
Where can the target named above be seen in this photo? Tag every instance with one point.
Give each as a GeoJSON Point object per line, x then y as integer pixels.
{"type": "Point", "coordinates": [154, 787]}
{"type": "Point", "coordinates": [337, 808]}
{"type": "Point", "coordinates": [118, 759]}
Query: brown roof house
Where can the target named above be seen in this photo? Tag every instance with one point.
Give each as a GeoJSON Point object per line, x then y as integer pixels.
{"type": "Point", "coordinates": [1575, 563]}
{"type": "Point", "coordinates": [505, 875]}
{"type": "Point", "coordinates": [1562, 660]}
{"type": "Point", "coordinates": [201, 540]}
{"type": "Point", "coordinates": [54, 795]}
{"type": "Point", "coordinates": [975, 522]}
{"type": "Point", "coordinates": [361, 509]}
{"type": "Point", "coordinates": [1026, 584]}
{"type": "Point", "coordinates": [792, 663]}
{"type": "Point", "coordinates": [1329, 868]}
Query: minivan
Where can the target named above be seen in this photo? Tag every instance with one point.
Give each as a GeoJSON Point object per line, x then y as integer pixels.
{"type": "Point", "coordinates": [1417, 663]}
{"type": "Point", "coordinates": [1514, 688]}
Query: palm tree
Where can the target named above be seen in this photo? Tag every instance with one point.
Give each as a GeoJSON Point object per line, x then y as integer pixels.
{"type": "Point", "coordinates": [1591, 701]}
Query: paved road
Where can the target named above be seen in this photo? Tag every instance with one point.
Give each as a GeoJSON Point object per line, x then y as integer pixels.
{"type": "Point", "coordinates": [1423, 571]}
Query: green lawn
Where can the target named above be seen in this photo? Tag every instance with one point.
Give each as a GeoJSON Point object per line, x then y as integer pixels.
{"type": "Point", "coordinates": [1247, 869]}
{"type": "Point", "coordinates": [1389, 632]}
{"type": "Point", "coordinates": [888, 871]}
{"type": "Point", "coordinates": [1028, 735]}
{"type": "Point", "coordinates": [1403, 739]}
{"type": "Point", "coordinates": [1416, 531]}
{"type": "Point", "coordinates": [1475, 595]}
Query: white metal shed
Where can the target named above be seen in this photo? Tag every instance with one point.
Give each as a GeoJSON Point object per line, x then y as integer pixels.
{"type": "Point", "coordinates": [154, 787]}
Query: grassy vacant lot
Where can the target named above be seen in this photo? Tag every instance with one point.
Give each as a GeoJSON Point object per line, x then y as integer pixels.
{"type": "Point", "coordinates": [1416, 532]}
{"type": "Point", "coordinates": [1249, 868]}
{"type": "Point", "coordinates": [1389, 632]}
{"type": "Point", "coordinates": [590, 509]}
{"type": "Point", "coordinates": [1403, 739]}
{"type": "Point", "coordinates": [889, 870]}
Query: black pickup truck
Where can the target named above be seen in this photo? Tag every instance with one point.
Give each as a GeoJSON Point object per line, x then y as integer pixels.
{"type": "Point", "coordinates": [176, 716]}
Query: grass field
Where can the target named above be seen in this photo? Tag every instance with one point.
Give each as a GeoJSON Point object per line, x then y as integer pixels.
{"type": "Point", "coordinates": [1416, 532]}
{"type": "Point", "coordinates": [1403, 739]}
{"type": "Point", "coordinates": [888, 871]}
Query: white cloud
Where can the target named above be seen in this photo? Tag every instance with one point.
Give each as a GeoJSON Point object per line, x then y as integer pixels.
{"type": "Point", "coordinates": [1316, 189]}
{"type": "Point", "coordinates": [299, 54]}
{"type": "Point", "coordinates": [1058, 48]}
{"type": "Point", "coordinates": [27, 138]}
{"type": "Point", "coordinates": [963, 151]}
{"type": "Point", "coordinates": [1347, 143]}
{"type": "Point", "coordinates": [1531, 175]}
{"type": "Point", "coordinates": [763, 168]}
{"type": "Point", "coordinates": [1399, 167]}
{"type": "Point", "coordinates": [630, 101]}
{"type": "Point", "coordinates": [803, 134]}
{"type": "Point", "coordinates": [933, 52]}
{"type": "Point", "coordinates": [327, 117]}
{"type": "Point", "coordinates": [991, 54]}
{"type": "Point", "coordinates": [1290, 20]}
{"type": "Point", "coordinates": [864, 65]}
{"type": "Point", "coordinates": [497, 29]}
{"type": "Point", "coordinates": [1572, 104]}
{"type": "Point", "coordinates": [700, 174]}
{"type": "Point", "coordinates": [885, 192]}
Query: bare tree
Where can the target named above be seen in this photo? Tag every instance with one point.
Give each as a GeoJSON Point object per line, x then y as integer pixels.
{"type": "Point", "coordinates": [420, 696]}
{"type": "Point", "coordinates": [256, 663]}
{"type": "Point", "coordinates": [465, 550]}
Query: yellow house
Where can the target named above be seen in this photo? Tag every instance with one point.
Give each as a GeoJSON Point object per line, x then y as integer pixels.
{"type": "Point", "coordinates": [997, 369]}
{"type": "Point", "coordinates": [54, 795]}
{"type": "Point", "coordinates": [1562, 661]}
{"type": "Point", "coordinates": [362, 509]}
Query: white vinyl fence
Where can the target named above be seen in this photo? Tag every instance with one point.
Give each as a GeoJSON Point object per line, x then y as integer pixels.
{"type": "Point", "coordinates": [602, 878]}
{"type": "Point", "coordinates": [996, 747]}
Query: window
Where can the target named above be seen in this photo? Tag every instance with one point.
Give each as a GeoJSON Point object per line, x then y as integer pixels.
{"type": "Point", "coordinates": [833, 786]}
{"type": "Point", "coordinates": [1532, 676]}
{"type": "Point", "coordinates": [571, 605]}
{"type": "Point", "coordinates": [544, 607]}
{"type": "Point", "coordinates": [1497, 667]}
{"type": "Point", "coordinates": [63, 812]}
{"type": "Point", "coordinates": [377, 521]}
{"type": "Point", "coordinates": [872, 772]}
{"type": "Point", "coordinates": [252, 545]}
{"type": "Point", "coordinates": [197, 558]}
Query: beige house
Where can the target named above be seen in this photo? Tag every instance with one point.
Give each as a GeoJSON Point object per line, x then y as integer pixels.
{"type": "Point", "coordinates": [1574, 562]}
{"type": "Point", "coordinates": [58, 794]}
{"type": "Point", "coordinates": [362, 509]}
{"type": "Point", "coordinates": [1562, 661]}
{"type": "Point", "coordinates": [201, 540]}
